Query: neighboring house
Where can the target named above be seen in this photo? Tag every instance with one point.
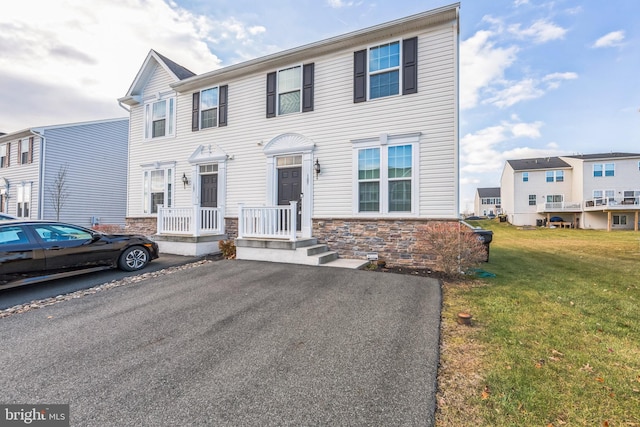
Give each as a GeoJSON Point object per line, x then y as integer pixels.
{"type": "Point", "coordinates": [353, 141]}
{"type": "Point", "coordinates": [487, 201]}
{"type": "Point", "coordinates": [599, 191]}
{"type": "Point", "coordinates": [93, 189]}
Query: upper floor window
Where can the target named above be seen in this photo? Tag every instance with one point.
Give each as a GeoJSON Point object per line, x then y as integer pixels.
{"type": "Point", "coordinates": [555, 198]}
{"type": "Point", "coordinates": [606, 169]}
{"type": "Point", "coordinates": [532, 200]}
{"type": "Point", "coordinates": [290, 90]}
{"type": "Point", "coordinates": [158, 189]}
{"type": "Point", "coordinates": [386, 70]}
{"type": "Point", "coordinates": [210, 108]}
{"type": "Point", "coordinates": [555, 176]}
{"type": "Point", "coordinates": [525, 176]}
{"type": "Point", "coordinates": [4, 155]}
{"type": "Point", "coordinates": [386, 177]}
{"type": "Point", "coordinates": [160, 118]}
{"type": "Point", "coordinates": [25, 151]}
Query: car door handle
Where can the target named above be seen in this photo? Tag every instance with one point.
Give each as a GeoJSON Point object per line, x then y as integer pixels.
{"type": "Point", "coordinates": [54, 248]}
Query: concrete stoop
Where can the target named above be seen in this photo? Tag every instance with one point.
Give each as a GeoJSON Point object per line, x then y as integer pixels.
{"type": "Point", "coordinates": [303, 251]}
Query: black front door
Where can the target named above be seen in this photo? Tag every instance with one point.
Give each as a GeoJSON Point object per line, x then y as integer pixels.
{"type": "Point", "coordinates": [209, 191]}
{"type": "Point", "coordinates": [289, 186]}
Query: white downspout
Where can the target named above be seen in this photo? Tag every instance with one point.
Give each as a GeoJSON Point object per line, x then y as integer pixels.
{"type": "Point", "coordinates": [126, 212]}
{"type": "Point", "coordinates": [41, 170]}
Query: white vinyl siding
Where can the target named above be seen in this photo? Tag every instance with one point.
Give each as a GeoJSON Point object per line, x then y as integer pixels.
{"type": "Point", "coordinates": [334, 123]}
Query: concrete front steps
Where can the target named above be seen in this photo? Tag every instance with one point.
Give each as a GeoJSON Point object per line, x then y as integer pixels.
{"type": "Point", "coordinates": [303, 251]}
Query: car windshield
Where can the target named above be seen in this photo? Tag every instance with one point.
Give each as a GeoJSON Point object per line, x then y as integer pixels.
{"type": "Point", "coordinates": [57, 232]}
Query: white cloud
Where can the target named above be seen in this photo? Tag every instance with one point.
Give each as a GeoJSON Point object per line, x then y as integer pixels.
{"type": "Point", "coordinates": [540, 31]}
{"type": "Point", "coordinates": [99, 47]}
{"type": "Point", "coordinates": [612, 39]}
{"type": "Point", "coordinates": [483, 151]}
{"type": "Point", "coordinates": [481, 63]}
{"type": "Point", "coordinates": [337, 4]}
{"type": "Point", "coordinates": [514, 92]}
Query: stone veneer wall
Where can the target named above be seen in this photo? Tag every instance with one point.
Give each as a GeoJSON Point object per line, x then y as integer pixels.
{"type": "Point", "coordinates": [393, 239]}
{"type": "Point", "coordinates": [147, 226]}
{"type": "Point", "coordinates": [231, 228]}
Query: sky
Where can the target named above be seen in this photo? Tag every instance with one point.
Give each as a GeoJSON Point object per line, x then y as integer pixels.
{"type": "Point", "coordinates": [538, 78]}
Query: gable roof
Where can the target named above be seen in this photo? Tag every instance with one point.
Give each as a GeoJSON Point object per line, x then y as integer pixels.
{"type": "Point", "coordinates": [489, 192]}
{"type": "Point", "coordinates": [538, 163]}
{"type": "Point", "coordinates": [176, 71]}
{"type": "Point", "coordinates": [308, 52]}
{"type": "Point", "coordinates": [602, 156]}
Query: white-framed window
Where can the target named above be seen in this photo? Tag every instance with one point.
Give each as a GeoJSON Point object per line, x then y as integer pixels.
{"type": "Point", "coordinates": [158, 189]}
{"type": "Point", "coordinates": [23, 200]}
{"type": "Point", "coordinates": [532, 200]}
{"type": "Point", "coordinates": [24, 151]}
{"type": "Point", "coordinates": [525, 176]}
{"type": "Point", "coordinates": [4, 156]}
{"type": "Point", "coordinates": [619, 220]}
{"type": "Point", "coordinates": [555, 198]}
{"type": "Point", "coordinates": [160, 118]}
{"type": "Point", "coordinates": [289, 88]}
{"type": "Point", "coordinates": [384, 70]}
{"type": "Point", "coordinates": [554, 176]}
{"type": "Point", "coordinates": [386, 180]}
{"type": "Point", "coordinates": [604, 169]}
{"type": "Point", "coordinates": [209, 108]}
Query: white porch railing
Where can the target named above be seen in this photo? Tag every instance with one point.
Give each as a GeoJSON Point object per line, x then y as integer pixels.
{"type": "Point", "coordinates": [618, 202]}
{"type": "Point", "coordinates": [194, 221]}
{"type": "Point", "coordinates": [268, 222]}
{"type": "Point", "coordinates": [559, 206]}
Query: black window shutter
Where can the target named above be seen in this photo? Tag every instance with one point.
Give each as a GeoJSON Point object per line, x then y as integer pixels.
{"type": "Point", "coordinates": [307, 87]}
{"type": "Point", "coordinates": [360, 76]}
{"type": "Point", "coordinates": [271, 94]}
{"type": "Point", "coordinates": [410, 66]}
{"type": "Point", "coordinates": [195, 112]}
{"type": "Point", "coordinates": [222, 105]}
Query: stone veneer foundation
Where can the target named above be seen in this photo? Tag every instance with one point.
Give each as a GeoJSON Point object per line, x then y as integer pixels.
{"type": "Point", "coordinates": [146, 226]}
{"type": "Point", "coordinates": [394, 240]}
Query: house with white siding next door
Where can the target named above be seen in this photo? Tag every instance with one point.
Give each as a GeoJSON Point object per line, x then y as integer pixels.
{"type": "Point", "coordinates": [342, 147]}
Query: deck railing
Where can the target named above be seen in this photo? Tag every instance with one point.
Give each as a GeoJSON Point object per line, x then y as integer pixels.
{"type": "Point", "coordinates": [193, 221]}
{"type": "Point", "coordinates": [559, 206]}
{"type": "Point", "coordinates": [612, 201]}
{"type": "Point", "coordinates": [268, 222]}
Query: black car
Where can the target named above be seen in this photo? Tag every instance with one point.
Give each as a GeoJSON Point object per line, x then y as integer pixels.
{"type": "Point", "coordinates": [35, 251]}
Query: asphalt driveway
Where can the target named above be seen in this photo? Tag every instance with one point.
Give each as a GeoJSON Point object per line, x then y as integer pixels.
{"type": "Point", "coordinates": [234, 343]}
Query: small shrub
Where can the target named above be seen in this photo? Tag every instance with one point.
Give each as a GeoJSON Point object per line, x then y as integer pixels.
{"type": "Point", "coordinates": [456, 249]}
{"type": "Point", "coordinates": [227, 248]}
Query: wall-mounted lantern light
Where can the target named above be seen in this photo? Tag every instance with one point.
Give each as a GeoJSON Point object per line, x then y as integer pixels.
{"type": "Point", "coordinates": [316, 167]}
{"type": "Point", "coordinates": [185, 180]}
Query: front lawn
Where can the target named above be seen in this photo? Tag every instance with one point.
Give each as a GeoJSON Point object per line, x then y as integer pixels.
{"type": "Point", "coordinates": [556, 334]}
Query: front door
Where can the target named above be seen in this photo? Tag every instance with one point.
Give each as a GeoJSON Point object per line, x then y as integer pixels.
{"type": "Point", "coordinates": [289, 189]}
{"type": "Point", "coordinates": [209, 191]}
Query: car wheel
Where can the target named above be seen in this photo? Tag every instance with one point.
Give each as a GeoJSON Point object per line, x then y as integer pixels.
{"type": "Point", "coordinates": [133, 258]}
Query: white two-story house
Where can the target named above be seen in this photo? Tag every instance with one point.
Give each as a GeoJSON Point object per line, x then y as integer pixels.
{"type": "Point", "coordinates": [598, 191]}
{"type": "Point", "coordinates": [73, 172]}
{"type": "Point", "coordinates": [351, 142]}
{"type": "Point", "coordinates": [487, 201]}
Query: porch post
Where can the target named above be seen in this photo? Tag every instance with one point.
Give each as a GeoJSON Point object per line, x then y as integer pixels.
{"type": "Point", "coordinates": [240, 220]}
{"type": "Point", "coordinates": [195, 220]}
{"type": "Point", "coordinates": [221, 224]}
{"type": "Point", "coordinates": [294, 219]}
{"type": "Point", "coordinates": [609, 221]}
{"type": "Point", "coordinates": [635, 224]}
{"type": "Point", "coordinates": [159, 220]}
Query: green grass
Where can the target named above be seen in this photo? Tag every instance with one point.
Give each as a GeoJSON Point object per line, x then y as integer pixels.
{"type": "Point", "coordinates": [560, 324]}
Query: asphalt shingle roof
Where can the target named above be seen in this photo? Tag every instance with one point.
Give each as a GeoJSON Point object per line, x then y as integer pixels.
{"type": "Point", "coordinates": [177, 69]}
{"type": "Point", "coordinates": [489, 192]}
{"type": "Point", "coordinates": [538, 163]}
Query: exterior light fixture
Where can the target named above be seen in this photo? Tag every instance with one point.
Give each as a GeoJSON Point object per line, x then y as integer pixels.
{"type": "Point", "coordinates": [316, 167]}
{"type": "Point", "coordinates": [185, 180]}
